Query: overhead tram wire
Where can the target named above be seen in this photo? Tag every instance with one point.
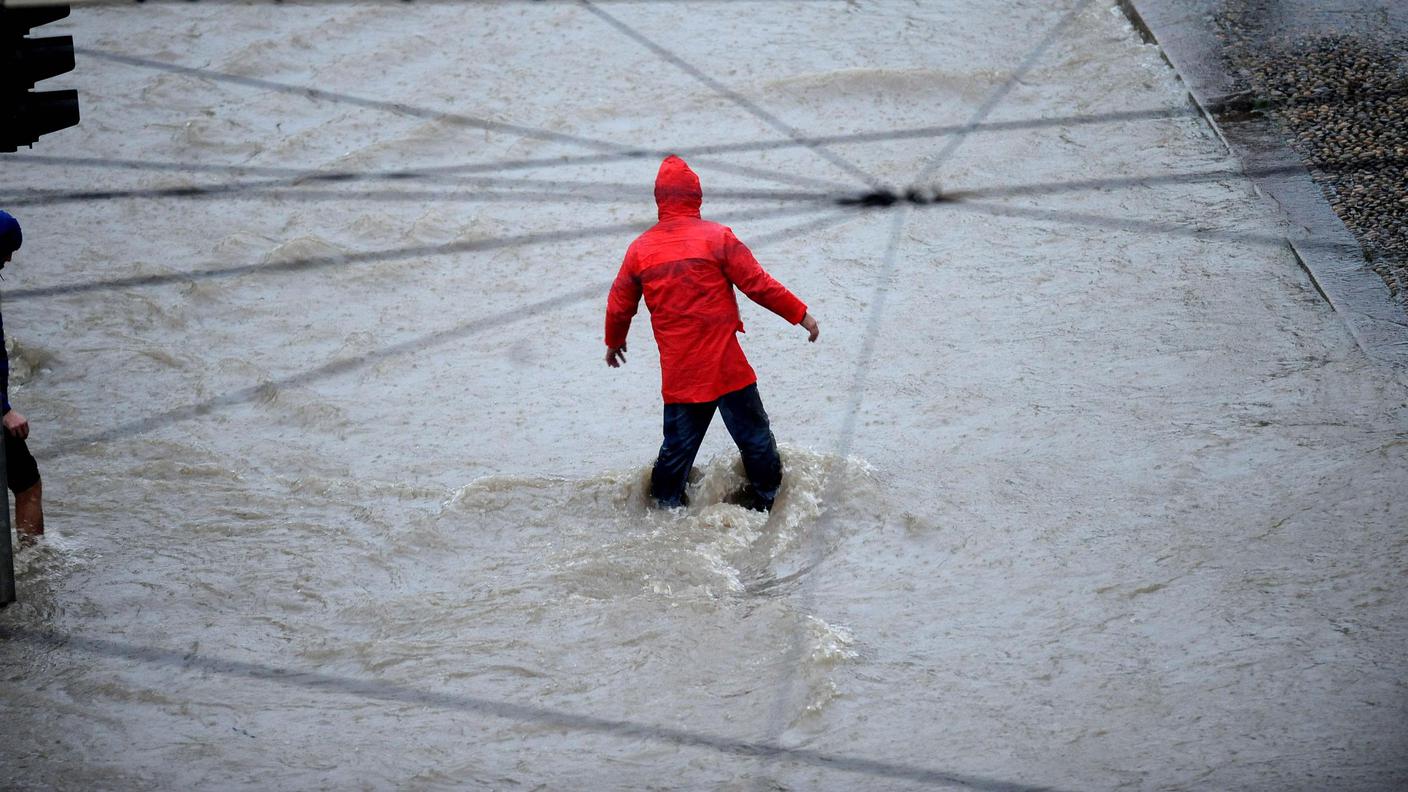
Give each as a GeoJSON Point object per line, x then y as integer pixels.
{"type": "Point", "coordinates": [606, 150]}
{"type": "Point", "coordinates": [373, 256]}
{"type": "Point", "coordinates": [440, 172]}
{"type": "Point", "coordinates": [320, 94]}
{"type": "Point", "coordinates": [768, 749]}
{"type": "Point", "coordinates": [811, 226]}
{"type": "Point", "coordinates": [568, 191]}
{"type": "Point", "coordinates": [412, 346]}
{"type": "Point", "coordinates": [1153, 179]}
{"type": "Point", "coordinates": [1132, 225]}
{"type": "Point", "coordinates": [959, 202]}
{"type": "Point", "coordinates": [298, 3]}
{"type": "Point", "coordinates": [190, 661]}
{"type": "Point", "coordinates": [783, 703]}
{"type": "Point", "coordinates": [465, 170]}
{"type": "Point", "coordinates": [692, 152]}
{"type": "Point", "coordinates": [997, 96]}
{"type": "Point", "coordinates": [733, 96]}
{"type": "Point", "coordinates": [282, 191]}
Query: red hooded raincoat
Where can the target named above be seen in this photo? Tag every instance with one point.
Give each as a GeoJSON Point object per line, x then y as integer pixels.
{"type": "Point", "coordinates": [686, 268]}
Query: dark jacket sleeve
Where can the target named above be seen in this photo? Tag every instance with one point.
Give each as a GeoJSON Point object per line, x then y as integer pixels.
{"type": "Point", "coordinates": [4, 372]}
{"type": "Point", "coordinates": [749, 276]}
{"type": "Point", "coordinates": [623, 302]}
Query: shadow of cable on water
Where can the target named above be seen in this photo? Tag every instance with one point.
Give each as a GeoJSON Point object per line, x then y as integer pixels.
{"type": "Point", "coordinates": [192, 662]}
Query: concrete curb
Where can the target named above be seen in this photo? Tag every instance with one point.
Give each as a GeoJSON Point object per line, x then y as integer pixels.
{"type": "Point", "coordinates": [1325, 248]}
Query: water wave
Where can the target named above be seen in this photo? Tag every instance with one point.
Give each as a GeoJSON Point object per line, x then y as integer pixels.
{"type": "Point", "coordinates": [608, 541]}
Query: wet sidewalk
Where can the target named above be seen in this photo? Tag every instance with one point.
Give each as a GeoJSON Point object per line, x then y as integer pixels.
{"type": "Point", "coordinates": [1313, 99]}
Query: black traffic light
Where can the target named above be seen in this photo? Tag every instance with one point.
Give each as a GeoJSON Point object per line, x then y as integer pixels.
{"type": "Point", "coordinates": [25, 114]}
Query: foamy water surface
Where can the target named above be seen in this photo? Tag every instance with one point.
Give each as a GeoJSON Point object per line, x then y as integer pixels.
{"type": "Point", "coordinates": [1085, 488]}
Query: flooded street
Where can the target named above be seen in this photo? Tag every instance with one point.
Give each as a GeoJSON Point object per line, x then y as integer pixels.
{"type": "Point", "coordinates": [1085, 486]}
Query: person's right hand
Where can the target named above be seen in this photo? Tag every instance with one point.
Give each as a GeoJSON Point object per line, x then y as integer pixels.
{"type": "Point", "coordinates": [16, 424]}
{"type": "Point", "coordinates": [810, 324]}
{"type": "Point", "coordinates": [615, 356]}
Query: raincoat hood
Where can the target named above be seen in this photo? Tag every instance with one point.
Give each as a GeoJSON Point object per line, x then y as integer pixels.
{"type": "Point", "coordinates": [11, 238]}
{"type": "Point", "coordinates": [677, 192]}
{"type": "Point", "coordinates": [687, 269]}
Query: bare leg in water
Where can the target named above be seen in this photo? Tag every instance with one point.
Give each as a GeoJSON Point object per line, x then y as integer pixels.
{"type": "Point", "coordinates": [29, 514]}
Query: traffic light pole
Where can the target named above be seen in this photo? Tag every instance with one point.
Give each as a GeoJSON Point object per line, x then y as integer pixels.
{"type": "Point", "coordinates": [26, 114]}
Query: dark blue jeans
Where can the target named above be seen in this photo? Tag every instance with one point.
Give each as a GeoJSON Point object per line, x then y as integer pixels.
{"type": "Point", "coordinates": [747, 422]}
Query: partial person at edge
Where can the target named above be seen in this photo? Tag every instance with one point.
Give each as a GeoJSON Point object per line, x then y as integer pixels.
{"type": "Point", "coordinates": [20, 467]}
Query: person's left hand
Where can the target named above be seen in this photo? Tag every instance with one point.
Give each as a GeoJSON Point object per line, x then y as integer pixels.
{"type": "Point", "coordinates": [615, 356]}
{"type": "Point", "coordinates": [808, 323]}
{"type": "Point", "coordinates": [16, 424]}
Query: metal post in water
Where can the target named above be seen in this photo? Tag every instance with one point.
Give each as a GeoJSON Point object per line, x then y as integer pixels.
{"type": "Point", "coordinates": [7, 553]}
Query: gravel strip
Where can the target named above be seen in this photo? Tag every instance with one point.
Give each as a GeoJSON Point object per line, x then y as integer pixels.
{"type": "Point", "coordinates": [1342, 99]}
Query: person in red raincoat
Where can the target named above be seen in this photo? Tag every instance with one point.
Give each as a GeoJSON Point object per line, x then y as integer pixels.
{"type": "Point", "coordinates": [686, 268]}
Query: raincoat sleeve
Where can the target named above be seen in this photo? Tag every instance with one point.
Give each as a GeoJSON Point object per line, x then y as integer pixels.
{"type": "Point", "coordinates": [749, 276]}
{"type": "Point", "coordinates": [622, 302]}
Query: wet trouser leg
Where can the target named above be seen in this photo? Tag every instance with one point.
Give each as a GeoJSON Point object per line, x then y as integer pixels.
{"type": "Point", "coordinates": [747, 422]}
{"type": "Point", "coordinates": [685, 425]}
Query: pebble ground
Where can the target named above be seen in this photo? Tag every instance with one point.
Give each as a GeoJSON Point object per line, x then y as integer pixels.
{"type": "Point", "coordinates": [1342, 99]}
